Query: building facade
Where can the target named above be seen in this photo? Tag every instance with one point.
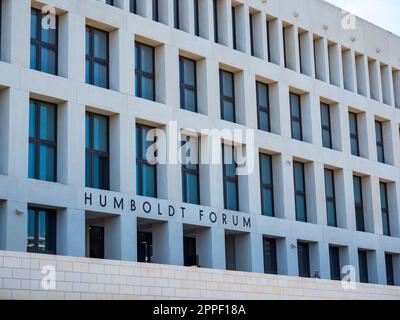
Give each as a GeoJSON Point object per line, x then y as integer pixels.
{"type": "Point", "coordinates": [84, 83]}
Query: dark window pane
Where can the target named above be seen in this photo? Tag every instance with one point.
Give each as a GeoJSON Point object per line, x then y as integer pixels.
{"type": "Point", "coordinates": [299, 176]}
{"type": "Point", "coordinates": [100, 133]}
{"type": "Point", "coordinates": [267, 202]}
{"type": "Point", "coordinates": [32, 161]}
{"type": "Point", "coordinates": [47, 122]}
{"type": "Point", "coordinates": [48, 61]}
{"type": "Point", "coordinates": [100, 74]}
{"type": "Point", "coordinates": [295, 105]}
{"type": "Point", "coordinates": [32, 119]}
{"type": "Point", "coordinates": [147, 88]}
{"type": "Point", "coordinates": [192, 190]}
{"type": "Point", "coordinates": [329, 183]}
{"type": "Point", "coordinates": [270, 259]}
{"type": "Point", "coordinates": [264, 121]}
{"type": "Point", "coordinates": [189, 72]}
{"type": "Point", "coordinates": [229, 111]}
{"type": "Point", "coordinates": [363, 266]}
{"type": "Point", "coordinates": [334, 263]}
{"type": "Point", "coordinates": [266, 174]}
{"type": "Point", "coordinates": [100, 44]}
{"type": "Point", "coordinates": [303, 259]}
{"type": "Point", "coordinates": [149, 176]}
{"type": "Point", "coordinates": [331, 212]}
{"type": "Point", "coordinates": [49, 36]}
{"type": "Point", "coordinates": [33, 57]}
{"type": "Point", "coordinates": [31, 231]}
{"type": "Point", "coordinates": [34, 24]}
{"type": "Point", "coordinates": [301, 214]}
{"type": "Point", "coordinates": [147, 58]}
{"type": "Point", "coordinates": [262, 95]}
{"type": "Point", "coordinates": [190, 100]}
{"type": "Point", "coordinates": [231, 196]}
{"type": "Point", "coordinates": [227, 83]}
{"type": "Point", "coordinates": [296, 130]}
{"type": "Point", "coordinates": [389, 270]}
{"type": "Point", "coordinates": [326, 139]}
{"type": "Point", "coordinates": [47, 163]}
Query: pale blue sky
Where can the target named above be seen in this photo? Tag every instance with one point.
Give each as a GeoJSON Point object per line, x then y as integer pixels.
{"type": "Point", "coordinates": [384, 13]}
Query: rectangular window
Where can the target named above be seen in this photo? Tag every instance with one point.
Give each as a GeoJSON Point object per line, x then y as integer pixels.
{"type": "Point", "coordinates": [300, 191]}
{"type": "Point", "coordinates": [97, 152]}
{"type": "Point", "coordinates": [303, 256]}
{"type": "Point", "coordinates": [42, 225]}
{"type": "Point", "coordinates": [145, 247]}
{"type": "Point", "coordinates": [353, 121]}
{"type": "Point", "coordinates": [155, 10]}
{"type": "Point", "coordinates": [379, 142]}
{"type": "Point", "coordinates": [334, 260]}
{"type": "Point", "coordinates": [190, 173]}
{"type": "Point", "coordinates": [110, 2]}
{"type": "Point", "coordinates": [231, 182]}
{"type": "Point", "coordinates": [363, 265]}
{"type": "Point", "coordinates": [227, 95]}
{"type": "Point", "coordinates": [97, 57]}
{"type": "Point", "coordinates": [188, 84]}
{"type": "Point", "coordinates": [389, 269]}
{"type": "Point", "coordinates": [264, 119]}
{"type": "Point", "coordinates": [145, 71]}
{"type": "Point", "coordinates": [146, 172]}
{"type": "Point", "coordinates": [385, 209]}
{"type": "Point", "coordinates": [267, 188]}
{"type": "Point", "coordinates": [176, 14]}
{"type": "Point", "coordinates": [270, 259]}
{"type": "Point", "coordinates": [326, 126]}
{"type": "Point", "coordinates": [215, 14]}
{"type": "Point", "coordinates": [196, 18]}
{"type": "Point", "coordinates": [234, 28]}
{"type": "Point", "coordinates": [358, 202]}
{"type": "Point", "coordinates": [330, 197]}
{"type": "Point", "coordinates": [133, 6]}
{"type": "Point", "coordinates": [295, 115]}
{"type": "Point", "coordinates": [251, 34]}
{"type": "Point", "coordinates": [42, 141]}
{"type": "Point", "coordinates": [44, 44]}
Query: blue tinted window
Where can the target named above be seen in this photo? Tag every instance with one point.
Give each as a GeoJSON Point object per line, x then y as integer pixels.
{"type": "Point", "coordinates": [326, 126]}
{"type": "Point", "coordinates": [295, 113]}
{"type": "Point", "coordinates": [42, 224]}
{"type": "Point", "coordinates": [263, 107]}
{"type": "Point", "coordinates": [330, 198]}
{"type": "Point", "coordinates": [300, 192]}
{"type": "Point", "coordinates": [358, 202]}
{"type": "Point", "coordinates": [97, 57]}
{"type": "Point", "coordinates": [385, 209]}
{"type": "Point", "coordinates": [355, 151]}
{"type": "Point", "coordinates": [42, 141]}
{"type": "Point", "coordinates": [44, 44]}
{"type": "Point", "coordinates": [144, 71]}
{"type": "Point", "coordinates": [230, 179]}
{"type": "Point", "coordinates": [227, 96]}
{"type": "Point", "coordinates": [146, 172]}
{"type": "Point", "coordinates": [188, 84]}
{"type": "Point", "coordinates": [267, 193]}
{"type": "Point", "coordinates": [97, 152]}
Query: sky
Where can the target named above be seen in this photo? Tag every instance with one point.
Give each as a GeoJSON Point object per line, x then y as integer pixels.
{"type": "Point", "coordinates": [384, 13]}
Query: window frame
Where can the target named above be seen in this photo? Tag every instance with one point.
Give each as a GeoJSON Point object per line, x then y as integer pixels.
{"type": "Point", "coordinates": [359, 206]}
{"type": "Point", "coordinates": [187, 87]}
{"type": "Point", "coordinates": [39, 44]}
{"type": "Point", "coordinates": [274, 258]}
{"type": "Point", "coordinates": [263, 109]}
{"type": "Point", "coordinates": [266, 186]}
{"type": "Point", "coordinates": [385, 208]}
{"type": "Point", "coordinates": [326, 128]}
{"type": "Point", "coordinates": [354, 136]}
{"type": "Point", "coordinates": [228, 179]}
{"type": "Point", "coordinates": [94, 60]}
{"type": "Point", "coordinates": [93, 152]}
{"type": "Point", "coordinates": [332, 198]}
{"type": "Point", "coordinates": [223, 97]}
{"type": "Point", "coordinates": [140, 74]}
{"type": "Point", "coordinates": [53, 235]}
{"type": "Point", "coordinates": [37, 142]}
{"type": "Point", "coordinates": [300, 193]}
{"type": "Point", "coordinates": [296, 119]}
{"type": "Point", "coordinates": [141, 162]}
{"type": "Point", "coordinates": [380, 145]}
